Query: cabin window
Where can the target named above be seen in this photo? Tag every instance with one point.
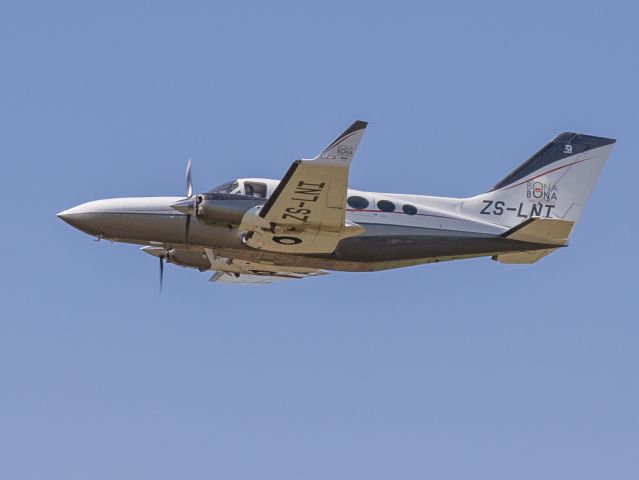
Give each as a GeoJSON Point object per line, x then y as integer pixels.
{"type": "Point", "coordinates": [409, 209]}
{"type": "Point", "coordinates": [386, 206]}
{"type": "Point", "coordinates": [358, 203]}
{"type": "Point", "coordinates": [254, 189]}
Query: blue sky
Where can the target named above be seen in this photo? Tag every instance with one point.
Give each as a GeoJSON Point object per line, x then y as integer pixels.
{"type": "Point", "coordinates": [461, 370]}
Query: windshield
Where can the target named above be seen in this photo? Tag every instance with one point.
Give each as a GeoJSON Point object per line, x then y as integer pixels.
{"type": "Point", "coordinates": [228, 187]}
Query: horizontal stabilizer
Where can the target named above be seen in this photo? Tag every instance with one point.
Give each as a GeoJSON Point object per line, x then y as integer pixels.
{"type": "Point", "coordinates": [522, 258]}
{"type": "Point", "coordinates": [545, 231]}
{"type": "Point", "coordinates": [541, 230]}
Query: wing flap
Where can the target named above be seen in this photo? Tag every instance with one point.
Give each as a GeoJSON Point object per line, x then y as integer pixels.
{"type": "Point", "coordinates": [226, 268]}
{"type": "Point", "coordinates": [240, 279]}
{"type": "Point", "coordinates": [261, 278]}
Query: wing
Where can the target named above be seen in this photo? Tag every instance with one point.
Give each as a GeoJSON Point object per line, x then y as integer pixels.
{"type": "Point", "coordinates": [230, 270]}
{"type": "Point", "coordinates": [307, 211]}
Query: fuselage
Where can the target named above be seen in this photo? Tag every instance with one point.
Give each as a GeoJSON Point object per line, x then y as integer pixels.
{"type": "Point", "coordinates": [399, 230]}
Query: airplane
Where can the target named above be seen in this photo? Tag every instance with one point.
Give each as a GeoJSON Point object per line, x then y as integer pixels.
{"type": "Point", "coordinates": [257, 230]}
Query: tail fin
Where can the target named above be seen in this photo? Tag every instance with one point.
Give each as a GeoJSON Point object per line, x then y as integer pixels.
{"type": "Point", "coordinates": [554, 183]}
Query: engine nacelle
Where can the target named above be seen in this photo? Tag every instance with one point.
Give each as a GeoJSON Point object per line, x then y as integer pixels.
{"type": "Point", "coordinates": [223, 209]}
{"type": "Point", "coordinates": [180, 257]}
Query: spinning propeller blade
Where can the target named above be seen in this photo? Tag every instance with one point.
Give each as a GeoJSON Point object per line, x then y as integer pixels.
{"type": "Point", "coordinates": [189, 182]}
{"type": "Point", "coordinates": [188, 206]}
{"type": "Point", "coordinates": [161, 272]}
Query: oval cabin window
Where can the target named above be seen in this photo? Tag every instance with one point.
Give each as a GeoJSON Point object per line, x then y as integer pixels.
{"type": "Point", "coordinates": [386, 206]}
{"type": "Point", "coordinates": [409, 209]}
{"type": "Point", "coordinates": [358, 203]}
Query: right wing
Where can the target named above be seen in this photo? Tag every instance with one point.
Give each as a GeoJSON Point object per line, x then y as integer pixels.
{"type": "Point", "coordinates": [229, 270]}
{"type": "Point", "coordinates": [307, 211]}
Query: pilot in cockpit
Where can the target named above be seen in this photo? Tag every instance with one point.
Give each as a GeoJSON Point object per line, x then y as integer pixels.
{"type": "Point", "coordinates": [255, 189]}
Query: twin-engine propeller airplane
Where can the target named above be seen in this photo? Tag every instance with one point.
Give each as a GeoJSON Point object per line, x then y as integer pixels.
{"type": "Point", "coordinates": [256, 230]}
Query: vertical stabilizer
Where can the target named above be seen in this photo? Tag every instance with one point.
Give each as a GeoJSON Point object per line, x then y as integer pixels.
{"type": "Point", "coordinates": [555, 183]}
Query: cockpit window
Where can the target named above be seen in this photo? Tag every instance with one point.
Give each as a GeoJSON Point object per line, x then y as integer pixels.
{"type": "Point", "coordinates": [229, 187]}
{"type": "Point", "coordinates": [254, 189]}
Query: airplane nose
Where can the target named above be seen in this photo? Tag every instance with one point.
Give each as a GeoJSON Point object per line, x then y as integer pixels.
{"type": "Point", "coordinates": [116, 218]}
{"type": "Point", "coordinates": [66, 214]}
{"type": "Point", "coordinates": [89, 217]}
{"type": "Point", "coordinates": [78, 217]}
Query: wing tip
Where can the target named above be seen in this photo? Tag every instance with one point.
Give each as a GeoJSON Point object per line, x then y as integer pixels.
{"type": "Point", "coordinates": [356, 126]}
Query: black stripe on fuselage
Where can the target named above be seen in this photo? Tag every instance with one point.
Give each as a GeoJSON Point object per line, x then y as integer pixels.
{"type": "Point", "coordinates": [406, 247]}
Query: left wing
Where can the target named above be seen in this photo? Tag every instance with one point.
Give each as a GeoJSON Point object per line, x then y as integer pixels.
{"type": "Point", "coordinates": [307, 211]}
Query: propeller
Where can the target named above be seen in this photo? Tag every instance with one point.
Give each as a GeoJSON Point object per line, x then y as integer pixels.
{"type": "Point", "coordinates": [164, 255]}
{"type": "Point", "coordinates": [187, 206]}
{"type": "Point", "coordinates": [189, 181]}
{"type": "Point", "coordinates": [161, 272]}
{"type": "Point", "coordinates": [189, 194]}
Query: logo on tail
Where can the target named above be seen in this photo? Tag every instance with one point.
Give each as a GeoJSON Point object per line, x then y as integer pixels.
{"type": "Point", "coordinates": [536, 191]}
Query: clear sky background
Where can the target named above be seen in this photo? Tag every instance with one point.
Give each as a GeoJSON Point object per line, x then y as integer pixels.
{"type": "Point", "coordinates": [460, 370]}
